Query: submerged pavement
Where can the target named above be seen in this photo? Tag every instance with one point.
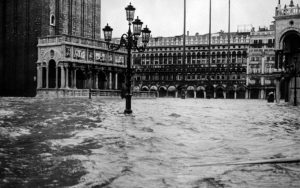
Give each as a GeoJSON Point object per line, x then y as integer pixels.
{"type": "Point", "coordinates": [165, 143]}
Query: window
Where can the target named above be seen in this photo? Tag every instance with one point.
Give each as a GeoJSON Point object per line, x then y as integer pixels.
{"type": "Point", "coordinates": [52, 20]}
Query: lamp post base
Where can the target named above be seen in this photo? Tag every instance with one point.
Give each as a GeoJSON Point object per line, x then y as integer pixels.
{"type": "Point", "coordinates": [127, 111]}
{"type": "Point", "coordinates": [128, 104]}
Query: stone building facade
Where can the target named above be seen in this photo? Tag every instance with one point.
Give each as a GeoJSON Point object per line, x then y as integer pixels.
{"type": "Point", "coordinates": [287, 52]}
{"type": "Point", "coordinates": [261, 63]}
{"type": "Point", "coordinates": [38, 38]}
{"type": "Point", "coordinates": [218, 72]}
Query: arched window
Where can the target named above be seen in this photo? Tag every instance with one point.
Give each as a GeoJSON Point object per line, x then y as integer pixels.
{"type": "Point", "coordinates": [52, 20]}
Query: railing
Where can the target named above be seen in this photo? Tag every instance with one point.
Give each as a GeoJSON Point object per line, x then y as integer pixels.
{"type": "Point", "coordinates": [144, 94]}
{"type": "Point", "coordinates": [87, 93]}
{"type": "Point", "coordinates": [73, 39]}
{"type": "Point", "coordinates": [288, 11]}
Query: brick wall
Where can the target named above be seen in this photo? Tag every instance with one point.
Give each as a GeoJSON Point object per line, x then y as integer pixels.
{"type": "Point", "coordinates": [23, 21]}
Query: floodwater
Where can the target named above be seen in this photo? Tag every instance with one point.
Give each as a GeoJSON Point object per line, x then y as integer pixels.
{"type": "Point", "coordinates": [165, 143]}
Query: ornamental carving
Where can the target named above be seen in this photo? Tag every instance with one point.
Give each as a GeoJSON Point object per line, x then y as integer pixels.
{"type": "Point", "coordinates": [49, 54]}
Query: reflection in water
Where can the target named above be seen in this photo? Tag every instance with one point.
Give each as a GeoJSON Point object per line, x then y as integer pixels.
{"type": "Point", "coordinates": [162, 144]}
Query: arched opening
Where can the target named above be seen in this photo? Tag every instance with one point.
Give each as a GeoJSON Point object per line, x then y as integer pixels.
{"type": "Point", "coordinates": [80, 79]}
{"type": "Point", "coordinates": [145, 88]}
{"type": "Point", "coordinates": [254, 94]}
{"type": "Point", "coordinates": [219, 93]}
{"type": "Point", "coordinates": [209, 91]}
{"type": "Point", "coordinates": [241, 93]}
{"type": "Point", "coordinates": [172, 91]}
{"type": "Point", "coordinates": [230, 93]}
{"type": "Point", "coordinates": [102, 80]}
{"type": "Point", "coordinates": [52, 74]}
{"type": "Point", "coordinates": [121, 81]}
{"type": "Point", "coordinates": [44, 82]}
{"type": "Point", "coordinates": [162, 92]}
{"type": "Point", "coordinates": [153, 89]}
{"type": "Point", "coordinates": [190, 92]}
{"type": "Point", "coordinates": [291, 59]}
{"type": "Point", "coordinates": [200, 92]}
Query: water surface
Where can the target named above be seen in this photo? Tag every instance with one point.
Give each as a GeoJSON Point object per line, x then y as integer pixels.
{"type": "Point", "coordinates": [91, 143]}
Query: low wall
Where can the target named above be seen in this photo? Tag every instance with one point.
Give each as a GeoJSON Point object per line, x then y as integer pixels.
{"type": "Point", "coordinates": [74, 93]}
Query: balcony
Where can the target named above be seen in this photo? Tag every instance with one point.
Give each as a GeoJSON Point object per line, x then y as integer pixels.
{"type": "Point", "coordinates": [81, 50]}
{"type": "Point", "coordinates": [288, 11]}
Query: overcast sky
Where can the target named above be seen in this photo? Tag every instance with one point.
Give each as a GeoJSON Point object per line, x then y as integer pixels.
{"type": "Point", "coordinates": [165, 17]}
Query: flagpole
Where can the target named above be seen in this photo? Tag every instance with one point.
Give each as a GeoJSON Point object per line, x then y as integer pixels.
{"type": "Point", "coordinates": [209, 36]}
{"type": "Point", "coordinates": [183, 89]}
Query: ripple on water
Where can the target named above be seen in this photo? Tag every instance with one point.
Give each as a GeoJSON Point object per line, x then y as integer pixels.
{"type": "Point", "coordinates": [160, 145]}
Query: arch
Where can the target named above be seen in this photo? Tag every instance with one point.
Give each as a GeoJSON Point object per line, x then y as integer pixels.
{"type": "Point", "coordinates": [285, 33]}
{"type": "Point", "coordinates": [190, 92]}
{"type": "Point", "coordinates": [190, 88]}
{"type": "Point", "coordinates": [162, 91]}
{"type": "Point", "coordinates": [230, 92]}
{"type": "Point", "coordinates": [52, 74]}
{"type": "Point", "coordinates": [209, 91]}
{"type": "Point", "coordinates": [80, 79]}
{"type": "Point", "coordinates": [153, 88]}
{"type": "Point", "coordinates": [102, 80]}
{"type": "Point", "coordinates": [220, 93]}
{"type": "Point", "coordinates": [121, 80]}
{"type": "Point", "coordinates": [241, 92]}
{"type": "Point", "coordinates": [145, 88]}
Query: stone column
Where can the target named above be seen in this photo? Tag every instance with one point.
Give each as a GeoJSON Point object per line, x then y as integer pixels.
{"type": "Point", "coordinates": [67, 77]}
{"type": "Point", "coordinates": [277, 83]}
{"type": "Point", "coordinates": [47, 77]}
{"type": "Point", "coordinates": [39, 77]}
{"type": "Point", "coordinates": [62, 75]}
{"type": "Point", "coordinates": [56, 77]}
{"type": "Point", "coordinates": [195, 94]}
{"type": "Point", "coordinates": [96, 81]}
{"type": "Point", "coordinates": [247, 94]}
{"type": "Point", "coordinates": [224, 94]}
{"type": "Point", "coordinates": [204, 92]}
{"type": "Point", "coordinates": [176, 94]}
{"type": "Point", "coordinates": [235, 94]}
{"type": "Point", "coordinates": [116, 81]}
{"type": "Point", "coordinates": [75, 79]}
{"type": "Point", "coordinates": [262, 94]}
{"type": "Point", "coordinates": [110, 81]}
{"type": "Point", "coordinates": [215, 94]}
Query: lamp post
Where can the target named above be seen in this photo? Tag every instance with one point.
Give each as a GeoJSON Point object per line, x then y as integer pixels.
{"type": "Point", "coordinates": [129, 41]}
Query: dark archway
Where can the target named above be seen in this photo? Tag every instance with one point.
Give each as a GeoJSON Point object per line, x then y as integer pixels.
{"type": "Point", "coordinates": [200, 94]}
{"type": "Point", "coordinates": [190, 94]}
{"type": "Point", "coordinates": [209, 91]}
{"type": "Point", "coordinates": [219, 93]}
{"type": "Point", "coordinates": [52, 74]}
{"type": "Point", "coordinates": [162, 92]}
{"type": "Point", "coordinates": [241, 93]}
{"type": "Point", "coordinates": [254, 94]}
{"type": "Point", "coordinates": [80, 79]}
{"type": "Point", "coordinates": [121, 80]}
{"type": "Point", "coordinates": [291, 59]}
{"type": "Point", "coordinates": [44, 82]}
{"type": "Point", "coordinates": [102, 80]}
{"type": "Point", "coordinates": [230, 94]}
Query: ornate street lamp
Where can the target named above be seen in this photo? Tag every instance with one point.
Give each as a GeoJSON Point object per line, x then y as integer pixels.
{"type": "Point", "coordinates": [129, 41]}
